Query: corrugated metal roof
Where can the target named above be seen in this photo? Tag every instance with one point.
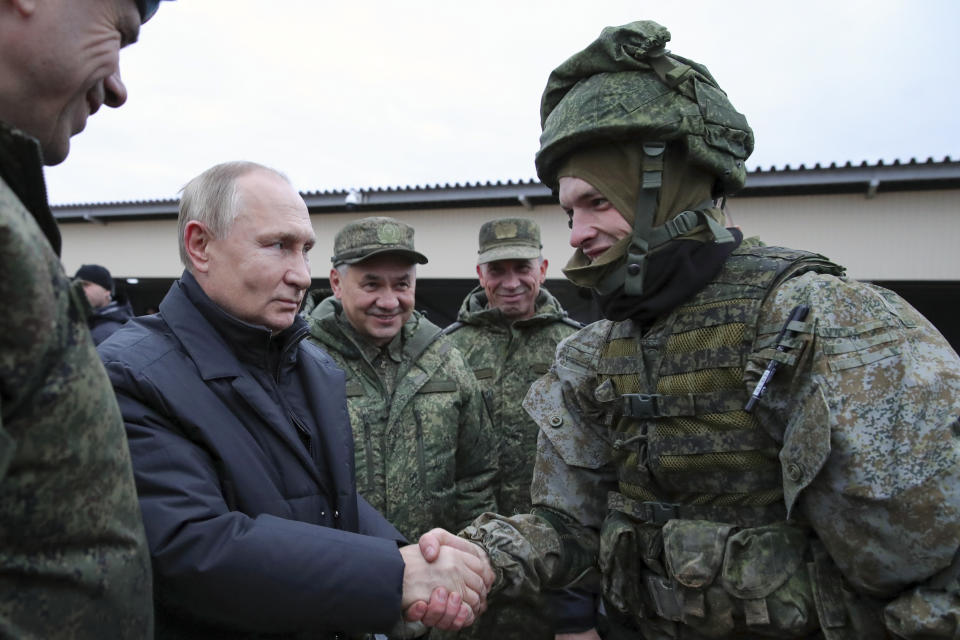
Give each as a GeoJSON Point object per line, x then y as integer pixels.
{"type": "Point", "coordinates": [865, 178]}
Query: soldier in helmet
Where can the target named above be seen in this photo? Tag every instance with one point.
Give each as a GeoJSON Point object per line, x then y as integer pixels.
{"type": "Point", "coordinates": [508, 329]}
{"type": "Point", "coordinates": [750, 444]}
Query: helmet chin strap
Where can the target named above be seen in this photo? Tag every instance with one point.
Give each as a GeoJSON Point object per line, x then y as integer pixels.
{"type": "Point", "coordinates": [645, 236]}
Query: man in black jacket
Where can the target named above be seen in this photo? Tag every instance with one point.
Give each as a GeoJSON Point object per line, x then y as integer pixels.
{"type": "Point", "coordinates": [241, 445]}
{"type": "Point", "coordinates": [106, 313]}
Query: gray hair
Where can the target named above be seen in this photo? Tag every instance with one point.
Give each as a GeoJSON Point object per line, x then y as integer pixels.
{"type": "Point", "coordinates": [212, 198]}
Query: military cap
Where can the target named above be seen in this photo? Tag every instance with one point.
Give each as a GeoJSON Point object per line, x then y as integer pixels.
{"type": "Point", "coordinates": [372, 236]}
{"type": "Point", "coordinates": [509, 239]}
{"type": "Point", "coordinates": [96, 274]}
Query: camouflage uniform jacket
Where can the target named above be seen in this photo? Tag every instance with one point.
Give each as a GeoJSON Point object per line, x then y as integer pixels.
{"type": "Point", "coordinates": [73, 555]}
{"type": "Point", "coordinates": [426, 454]}
{"type": "Point", "coordinates": [863, 411]}
{"type": "Point", "coordinates": [506, 357]}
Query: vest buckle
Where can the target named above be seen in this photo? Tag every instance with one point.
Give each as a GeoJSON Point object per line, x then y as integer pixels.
{"type": "Point", "coordinates": [641, 405]}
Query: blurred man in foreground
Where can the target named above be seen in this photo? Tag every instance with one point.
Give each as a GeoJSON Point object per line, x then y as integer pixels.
{"type": "Point", "coordinates": [73, 558]}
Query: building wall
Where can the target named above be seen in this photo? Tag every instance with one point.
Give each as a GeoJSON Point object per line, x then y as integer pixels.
{"type": "Point", "coordinates": [907, 235]}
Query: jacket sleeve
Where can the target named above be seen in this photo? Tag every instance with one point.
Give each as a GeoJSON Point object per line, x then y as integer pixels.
{"type": "Point", "coordinates": [257, 574]}
{"type": "Point", "coordinates": [556, 546]}
{"type": "Point", "coordinates": [477, 452]}
{"type": "Point", "coordinates": [866, 403]}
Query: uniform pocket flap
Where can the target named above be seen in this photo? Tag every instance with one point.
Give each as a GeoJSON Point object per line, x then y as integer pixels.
{"type": "Point", "coordinates": [354, 389]}
{"type": "Point", "coordinates": [760, 559]}
{"type": "Point", "coordinates": [694, 550]}
{"type": "Point", "coordinates": [438, 386]}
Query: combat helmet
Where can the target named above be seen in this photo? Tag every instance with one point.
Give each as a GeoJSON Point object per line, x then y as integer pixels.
{"type": "Point", "coordinates": [627, 86]}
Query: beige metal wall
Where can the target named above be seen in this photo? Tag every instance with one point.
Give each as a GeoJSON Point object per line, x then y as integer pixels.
{"type": "Point", "coordinates": [895, 236]}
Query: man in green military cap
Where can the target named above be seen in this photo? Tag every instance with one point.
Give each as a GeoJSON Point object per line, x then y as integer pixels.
{"type": "Point", "coordinates": [750, 444]}
{"type": "Point", "coordinates": [73, 555]}
{"type": "Point", "coordinates": [508, 329]}
{"type": "Point", "coordinates": [425, 451]}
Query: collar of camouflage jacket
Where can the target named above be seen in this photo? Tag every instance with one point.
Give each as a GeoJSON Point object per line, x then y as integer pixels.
{"type": "Point", "coordinates": [475, 310]}
{"type": "Point", "coordinates": [21, 167]}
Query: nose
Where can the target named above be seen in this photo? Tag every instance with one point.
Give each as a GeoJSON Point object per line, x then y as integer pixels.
{"type": "Point", "coordinates": [511, 281]}
{"type": "Point", "coordinates": [115, 92]}
{"type": "Point", "coordinates": [388, 301]}
{"type": "Point", "coordinates": [298, 274]}
{"type": "Point", "coordinates": [580, 229]}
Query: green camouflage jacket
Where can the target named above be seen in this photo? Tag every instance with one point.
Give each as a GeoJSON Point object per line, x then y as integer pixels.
{"type": "Point", "coordinates": [73, 555]}
{"type": "Point", "coordinates": [426, 455]}
{"type": "Point", "coordinates": [506, 357]}
{"type": "Point", "coordinates": [865, 408]}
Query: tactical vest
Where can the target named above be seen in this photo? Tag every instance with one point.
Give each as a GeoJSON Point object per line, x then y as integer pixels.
{"type": "Point", "coordinates": [685, 447]}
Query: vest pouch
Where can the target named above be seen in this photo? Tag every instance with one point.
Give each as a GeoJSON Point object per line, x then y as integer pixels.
{"type": "Point", "coordinates": [765, 571]}
{"type": "Point", "coordinates": [624, 545]}
{"type": "Point", "coordinates": [736, 582]}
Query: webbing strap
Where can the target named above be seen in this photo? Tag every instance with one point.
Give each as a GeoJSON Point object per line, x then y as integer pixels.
{"type": "Point", "coordinates": [658, 405]}
{"type": "Point", "coordinates": [661, 512]}
{"type": "Point", "coordinates": [646, 208]}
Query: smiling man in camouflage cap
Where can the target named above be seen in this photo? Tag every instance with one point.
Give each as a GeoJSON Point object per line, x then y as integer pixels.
{"type": "Point", "coordinates": [508, 329]}
{"type": "Point", "coordinates": [425, 452]}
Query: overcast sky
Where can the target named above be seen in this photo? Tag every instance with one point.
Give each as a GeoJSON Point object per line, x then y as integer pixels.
{"type": "Point", "coordinates": [366, 94]}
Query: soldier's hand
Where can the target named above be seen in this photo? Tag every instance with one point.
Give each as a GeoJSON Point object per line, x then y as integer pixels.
{"type": "Point", "coordinates": [460, 575]}
{"type": "Point", "coordinates": [431, 542]}
{"type": "Point", "coordinates": [445, 611]}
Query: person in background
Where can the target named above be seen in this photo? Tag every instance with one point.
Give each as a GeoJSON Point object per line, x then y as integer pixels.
{"type": "Point", "coordinates": [73, 556]}
{"type": "Point", "coordinates": [426, 455]}
{"type": "Point", "coordinates": [508, 329]}
{"type": "Point", "coordinates": [107, 314]}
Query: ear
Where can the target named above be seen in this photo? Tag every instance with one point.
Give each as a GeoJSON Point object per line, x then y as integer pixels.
{"type": "Point", "coordinates": [543, 270]}
{"type": "Point", "coordinates": [196, 240]}
{"type": "Point", "coordinates": [335, 282]}
{"type": "Point", "coordinates": [480, 273]}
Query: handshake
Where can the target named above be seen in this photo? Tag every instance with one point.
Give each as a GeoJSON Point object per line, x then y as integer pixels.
{"type": "Point", "coordinates": [445, 581]}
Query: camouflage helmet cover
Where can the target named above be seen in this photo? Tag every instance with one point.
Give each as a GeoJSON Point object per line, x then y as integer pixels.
{"type": "Point", "coordinates": [626, 85]}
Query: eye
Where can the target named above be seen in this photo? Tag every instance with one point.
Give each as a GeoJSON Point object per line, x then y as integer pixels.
{"type": "Point", "coordinates": [599, 203]}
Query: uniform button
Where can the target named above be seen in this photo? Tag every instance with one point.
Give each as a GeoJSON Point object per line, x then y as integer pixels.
{"type": "Point", "coordinates": [633, 268]}
{"type": "Point", "coordinates": [794, 471]}
{"type": "Point", "coordinates": [555, 421]}
{"type": "Point", "coordinates": [336, 514]}
{"type": "Point", "coordinates": [323, 514]}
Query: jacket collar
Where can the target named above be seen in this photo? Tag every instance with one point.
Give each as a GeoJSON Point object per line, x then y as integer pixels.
{"type": "Point", "coordinates": [248, 343]}
{"type": "Point", "coordinates": [476, 310]}
{"type": "Point", "coordinates": [21, 167]}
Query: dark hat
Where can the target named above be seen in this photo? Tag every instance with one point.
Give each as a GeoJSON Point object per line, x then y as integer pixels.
{"type": "Point", "coordinates": [509, 239]}
{"type": "Point", "coordinates": [147, 8]}
{"type": "Point", "coordinates": [372, 236]}
{"type": "Point", "coordinates": [96, 274]}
